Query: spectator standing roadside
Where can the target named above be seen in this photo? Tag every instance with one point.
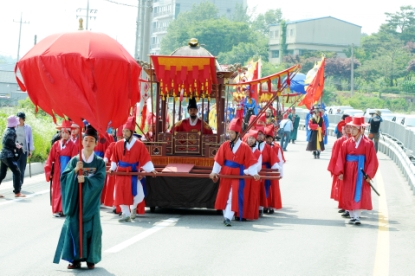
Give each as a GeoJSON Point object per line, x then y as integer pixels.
{"type": "Point", "coordinates": [296, 122]}
{"type": "Point", "coordinates": [374, 130]}
{"type": "Point", "coordinates": [25, 139]}
{"type": "Point", "coordinates": [287, 126]}
{"type": "Point", "coordinates": [9, 154]}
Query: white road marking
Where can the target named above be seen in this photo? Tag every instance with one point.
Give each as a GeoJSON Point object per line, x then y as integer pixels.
{"type": "Point", "coordinates": [158, 226]}
{"type": "Point", "coordinates": [23, 198]}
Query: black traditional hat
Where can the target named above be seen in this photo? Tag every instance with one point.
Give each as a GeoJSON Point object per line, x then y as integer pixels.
{"type": "Point", "coordinates": [90, 131]}
{"type": "Point", "coordinates": [192, 103]}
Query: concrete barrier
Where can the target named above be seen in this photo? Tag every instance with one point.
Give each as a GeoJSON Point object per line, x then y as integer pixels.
{"type": "Point", "coordinates": [37, 168]}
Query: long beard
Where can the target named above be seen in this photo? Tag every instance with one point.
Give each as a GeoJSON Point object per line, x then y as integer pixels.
{"type": "Point", "coordinates": [193, 117]}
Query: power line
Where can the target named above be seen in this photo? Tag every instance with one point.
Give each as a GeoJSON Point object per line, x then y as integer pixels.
{"type": "Point", "coordinates": [122, 4]}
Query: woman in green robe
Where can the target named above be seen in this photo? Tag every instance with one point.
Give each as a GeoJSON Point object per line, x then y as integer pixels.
{"type": "Point", "coordinates": [92, 180]}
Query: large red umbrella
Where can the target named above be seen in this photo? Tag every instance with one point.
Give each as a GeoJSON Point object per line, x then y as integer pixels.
{"type": "Point", "coordinates": [81, 75]}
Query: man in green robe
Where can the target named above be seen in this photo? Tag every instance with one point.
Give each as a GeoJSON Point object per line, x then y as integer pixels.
{"type": "Point", "coordinates": [296, 122]}
{"type": "Point", "coordinates": [92, 180]}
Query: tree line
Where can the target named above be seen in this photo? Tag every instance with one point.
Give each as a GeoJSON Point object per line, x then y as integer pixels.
{"type": "Point", "coordinates": [384, 62]}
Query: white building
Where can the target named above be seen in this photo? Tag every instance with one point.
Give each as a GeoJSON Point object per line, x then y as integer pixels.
{"type": "Point", "coordinates": [164, 11]}
{"type": "Point", "coordinates": [319, 34]}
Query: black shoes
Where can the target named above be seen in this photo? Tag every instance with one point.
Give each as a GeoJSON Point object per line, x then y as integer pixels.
{"type": "Point", "coordinates": [346, 214]}
{"type": "Point", "coordinates": [74, 265]}
{"type": "Point", "coordinates": [342, 211]}
{"type": "Point", "coordinates": [227, 222]}
{"type": "Point", "coordinates": [270, 211]}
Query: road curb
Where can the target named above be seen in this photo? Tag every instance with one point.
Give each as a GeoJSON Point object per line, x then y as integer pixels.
{"type": "Point", "coordinates": [37, 168]}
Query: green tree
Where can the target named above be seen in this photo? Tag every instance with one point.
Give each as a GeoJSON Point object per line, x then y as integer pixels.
{"type": "Point", "coordinates": [240, 14]}
{"type": "Point", "coordinates": [401, 24]}
{"type": "Point", "coordinates": [180, 30]}
{"type": "Point", "coordinates": [244, 52]}
{"type": "Point", "coordinates": [263, 21]}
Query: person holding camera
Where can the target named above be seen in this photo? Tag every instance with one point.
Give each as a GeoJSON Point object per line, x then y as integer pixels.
{"type": "Point", "coordinates": [9, 155]}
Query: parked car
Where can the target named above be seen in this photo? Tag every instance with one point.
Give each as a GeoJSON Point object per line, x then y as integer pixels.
{"type": "Point", "coordinates": [353, 112]}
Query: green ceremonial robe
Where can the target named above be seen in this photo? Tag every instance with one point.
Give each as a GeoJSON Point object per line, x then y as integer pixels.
{"type": "Point", "coordinates": [68, 246]}
{"type": "Point", "coordinates": [296, 123]}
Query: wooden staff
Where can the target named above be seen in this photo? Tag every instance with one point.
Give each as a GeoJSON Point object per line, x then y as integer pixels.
{"type": "Point", "coordinates": [274, 176]}
{"type": "Point", "coordinates": [80, 204]}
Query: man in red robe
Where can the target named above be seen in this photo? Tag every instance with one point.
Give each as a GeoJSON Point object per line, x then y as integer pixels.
{"type": "Point", "coordinates": [274, 200]}
{"type": "Point", "coordinates": [269, 161]}
{"type": "Point", "coordinates": [61, 152]}
{"type": "Point", "coordinates": [110, 179]}
{"type": "Point", "coordinates": [335, 186]}
{"type": "Point", "coordinates": [130, 154]}
{"type": "Point", "coordinates": [252, 186]}
{"type": "Point", "coordinates": [233, 158]}
{"type": "Point", "coordinates": [192, 124]}
{"type": "Point", "coordinates": [356, 153]}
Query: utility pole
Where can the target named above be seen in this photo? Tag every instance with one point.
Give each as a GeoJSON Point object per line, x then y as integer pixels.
{"type": "Point", "coordinates": [146, 33]}
{"type": "Point", "coordinates": [90, 14]}
{"type": "Point", "coordinates": [352, 72]}
{"type": "Point", "coordinates": [137, 32]}
{"type": "Point", "coordinates": [20, 33]}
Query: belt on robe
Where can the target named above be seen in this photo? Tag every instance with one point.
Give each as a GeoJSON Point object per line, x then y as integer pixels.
{"type": "Point", "coordinates": [234, 165]}
{"type": "Point", "coordinates": [319, 137]}
{"type": "Point", "coordinates": [360, 159]}
{"type": "Point", "coordinates": [134, 178]}
{"type": "Point", "coordinates": [267, 182]}
{"type": "Point", "coordinates": [63, 160]}
{"type": "Point", "coordinates": [99, 153]}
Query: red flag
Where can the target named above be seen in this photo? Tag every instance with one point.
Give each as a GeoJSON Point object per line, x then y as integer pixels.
{"type": "Point", "coordinates": [315, 89]}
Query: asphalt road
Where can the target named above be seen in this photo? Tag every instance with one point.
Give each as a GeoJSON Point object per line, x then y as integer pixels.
{"type": "Point", "coordinates": [306, 237]}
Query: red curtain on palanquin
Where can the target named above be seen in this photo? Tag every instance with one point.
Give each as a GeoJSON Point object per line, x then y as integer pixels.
{"type": "Point", "coordinates": [193, 75]}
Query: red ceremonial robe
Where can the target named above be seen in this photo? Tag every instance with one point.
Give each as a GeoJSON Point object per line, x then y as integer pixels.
{"type": "Point", "coordinates": [269, 158]}
{"type": "Point", "coordinates": [123, 184]}
{"type": "Point", "coordinates": [350, 169]}
{"type": "Point", "coordinates": [332, 164]}
{"type": "Point", "coordinates": [251, 195]}
{"type": "Point", "coordinates": [243, 156]}
{"type": "Point", "coordinates": [54, 160]}
{"type": "Point", "coordinates": [274, 199]}
{"type": "Point", "coordinates": [185, 126]}
{"type": "Point", "coordinates": [109, 180]}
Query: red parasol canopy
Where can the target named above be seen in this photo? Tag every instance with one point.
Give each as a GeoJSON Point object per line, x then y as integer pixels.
{"type": "Point", "coordinates": [81, 75]}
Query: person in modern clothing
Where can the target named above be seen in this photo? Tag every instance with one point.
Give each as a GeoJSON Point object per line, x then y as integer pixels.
{"type": "Point", "coordinates": [9, 154]}
{"type": "Point", "coordinates": [296, 123]}
{"type": "Point", "coordinates": [25, 139]}
{"type": "Point", "coordinates": [374, 130]}
{"type": "Point", "coordinates": [92, 181]}
{"type": "Point", "coordinates": [288, 127]}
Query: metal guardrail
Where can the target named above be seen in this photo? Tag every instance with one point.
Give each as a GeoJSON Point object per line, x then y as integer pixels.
{"type": "Point", "coordinates": [403, 136]}
{"type": "Point", "coordinates": [396, 141]}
